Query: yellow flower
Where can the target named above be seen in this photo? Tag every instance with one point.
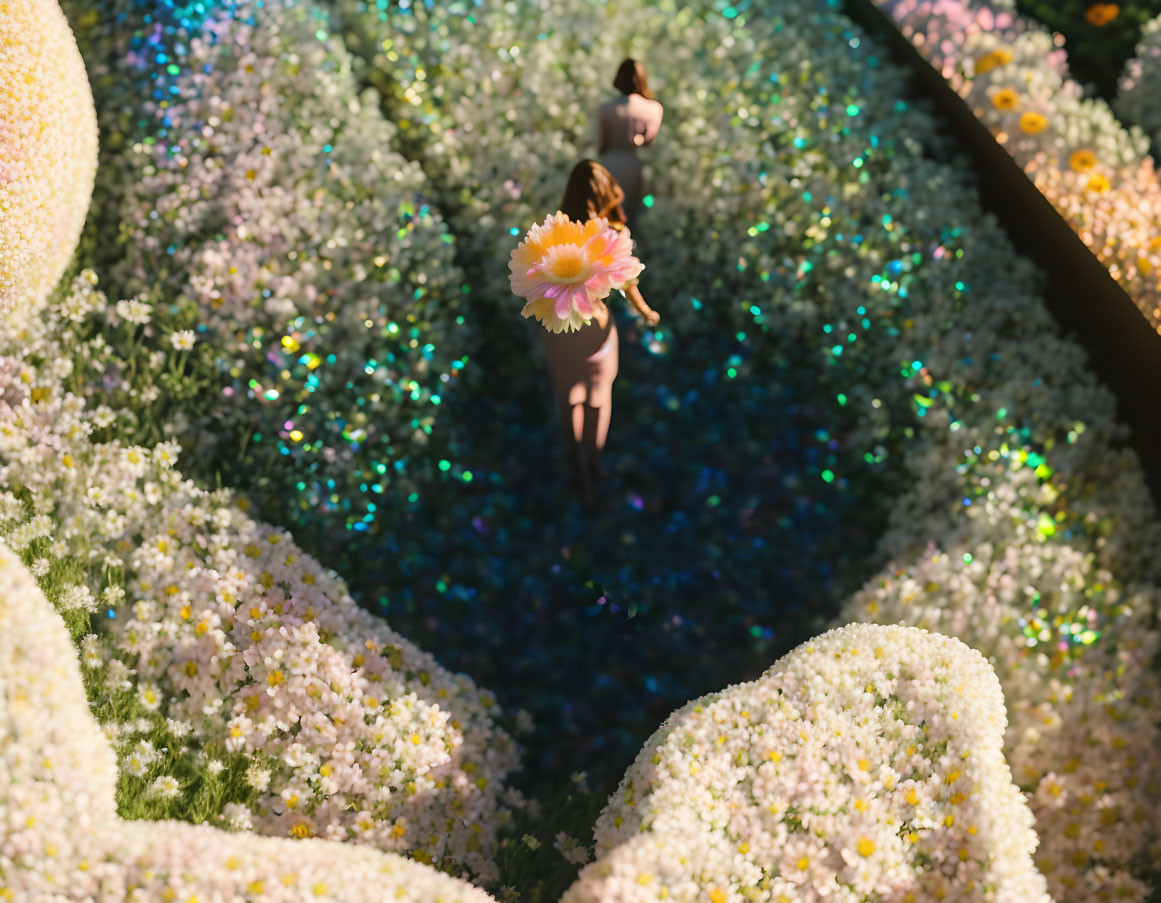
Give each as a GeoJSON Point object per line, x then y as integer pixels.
{"type": "Point", "coordinates": [1082, 160]}
{"type": "Point", "coordinates": [1032, 123]}
{"type": "Point", "coordinates": [1098, 183]}
{"type": "Point", "coordinates": [1101, 14]}
{"type": "Point", "coordinates": [1001, 56]}
{"type": "Point", "coordinates": [986, 63]}
{"type": "Point", "coordinates": [1005, 99]}
{"type": "Point", "coordinates": [563, 269]}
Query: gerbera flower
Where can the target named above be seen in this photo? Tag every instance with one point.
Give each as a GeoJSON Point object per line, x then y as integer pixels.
{"type": "Point", "coordinates": [563, 268]}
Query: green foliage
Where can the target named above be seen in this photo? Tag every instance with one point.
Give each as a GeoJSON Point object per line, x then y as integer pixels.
{"type": "Point", "coordinates": [1096, 53]}
{"type": "Point", "coordinates": [203, 794]}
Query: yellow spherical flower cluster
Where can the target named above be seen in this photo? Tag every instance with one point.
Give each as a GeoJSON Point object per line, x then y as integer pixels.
{"type": "Point", "coordinates": [48, 148]}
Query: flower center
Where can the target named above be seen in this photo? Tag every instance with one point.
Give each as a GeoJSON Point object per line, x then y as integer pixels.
{"type": "Point", "coordinates": [567, 263]}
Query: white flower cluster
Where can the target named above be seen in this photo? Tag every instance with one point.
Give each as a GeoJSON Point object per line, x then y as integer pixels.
{"type": "Point", "coordinates": [1084, 748]}
{"type": "Point", "coordinates": [48, 149]}
{"type": "Point", "coordinates": [62, 837]}
{"type": "Point", "coordinates": [866, 764]}
{"type": "Point", "coordinates": [1137, 97]}
{"type": "Point", "coordinates": [261, 197]}
{"type": "Point", "coordinates": [226, 626]}
{"type": "Point", "coordinates": [1093, 170]}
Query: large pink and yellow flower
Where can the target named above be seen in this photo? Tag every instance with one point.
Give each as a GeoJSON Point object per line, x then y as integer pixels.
{"type": "Point", "coordinates": [564, 268]}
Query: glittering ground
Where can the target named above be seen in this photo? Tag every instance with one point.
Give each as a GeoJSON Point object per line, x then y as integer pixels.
{"type": "Point", "coordinates": [721, 540]}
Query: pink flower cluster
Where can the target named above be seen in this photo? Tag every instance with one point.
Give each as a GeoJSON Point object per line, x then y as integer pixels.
{"type": "Point", "coordinates": [565, 269]}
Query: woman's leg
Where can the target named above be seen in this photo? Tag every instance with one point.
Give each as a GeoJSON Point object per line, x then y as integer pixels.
{"type": "Point", "coordinates": [572, 420]}
{"type": "Point", "coordinates": [596, 432]}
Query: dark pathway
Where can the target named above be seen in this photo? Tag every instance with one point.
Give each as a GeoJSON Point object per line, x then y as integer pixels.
{"type": "Point", "coordinates": [721, 541]}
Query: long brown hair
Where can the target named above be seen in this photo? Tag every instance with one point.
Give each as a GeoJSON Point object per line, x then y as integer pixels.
{"type": "Point", "coordinates": [631, 79]}
{"type": "Point", "coordinates": [592, 191]}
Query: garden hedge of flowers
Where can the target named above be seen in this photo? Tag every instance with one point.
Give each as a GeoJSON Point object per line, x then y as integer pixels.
{"type": "Point", "coordinates": [865, 761]}
{"type": "Point", "coordinates": [239, 684]}
{"type": "Point", "coordinates": [63, 839]}
{"type": "Point", "coordinates": [1137, 96]}
{"type": "Point", "coordinates": [49, 124]}
{"type": "Point", "coordinates": [299, 254]}
{"type": "Point", "coordinates": [1096, 172]}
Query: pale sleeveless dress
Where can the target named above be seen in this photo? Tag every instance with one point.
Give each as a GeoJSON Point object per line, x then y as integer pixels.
{"type": "Point", "coordinates": [625, 123]}
{"type": "Point", "coordinates": [584, 364]}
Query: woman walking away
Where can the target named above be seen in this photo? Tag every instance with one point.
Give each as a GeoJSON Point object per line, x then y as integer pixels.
{"type": "Point", "coordinates": [580, 337]}
{"type": "Point", "coordinates": [625, 123]}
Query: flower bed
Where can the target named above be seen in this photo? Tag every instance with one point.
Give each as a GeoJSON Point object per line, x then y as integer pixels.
{"type": "Point", "coordinates": [226, 641]}
{"type": "Point", "coordinates": [263, 214]}
{"type": "Point", "coordinates": [867, 761]}
{"type": "Point", "coordinates": [48, 155]}
{"type": "Point", "coordinates": [1137, 100]}
{"type": "Point", "coordinates": [1095, 172]}
{"type": "Point", "coordinates": [63, 839]}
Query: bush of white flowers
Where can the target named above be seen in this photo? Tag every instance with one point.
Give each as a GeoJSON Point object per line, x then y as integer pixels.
{"type": "Point", "coordinates": [48, 149]}
{"type": "Point", "coordinates": [867, 763]}
{"type": "Point", "coordinates": [263, 212]}
{"type": "Point", "coordinates": [228, 634]}
{"type": "Point", "coordinates": [63, 839]}
{"type": "Point", "coordinates": [1096, 172]}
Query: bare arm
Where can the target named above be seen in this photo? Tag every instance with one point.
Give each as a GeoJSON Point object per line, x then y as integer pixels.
{"type": "Point", "coordinates": [633, 295]}
{"type": "Point", "coordinates": [654, 126]}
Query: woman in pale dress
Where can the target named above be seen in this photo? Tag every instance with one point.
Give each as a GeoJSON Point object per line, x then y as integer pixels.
{"type": "Point", "coordinates": [583, 364]}
{"type": "Point", "coordinates": [625, 123]}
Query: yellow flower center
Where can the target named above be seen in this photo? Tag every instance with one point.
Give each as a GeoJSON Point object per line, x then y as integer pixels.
{"type": "Point", "coordinates": [566, 264]}
{"type": "Point", "coordinates": [1082, 160]}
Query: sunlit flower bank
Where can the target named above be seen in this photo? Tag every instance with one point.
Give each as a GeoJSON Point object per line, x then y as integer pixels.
{"type": "Point", "coordinates": [866, 763]}
{"type": "Point", "coordinates": [63, 839]}
{"type": "Point", "coordinates": [1096, 172]}
{"type": "Point", "coordinates": [48, 149]}
{"type": "Point", "coordinates": [226, 636]}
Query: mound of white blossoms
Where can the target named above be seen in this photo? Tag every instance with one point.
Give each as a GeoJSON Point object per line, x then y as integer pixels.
{"type": "Point", "coordinates": [866, 764]}
{"type": "Point", "coordinates": [62, 840]}
{"type": "Point", "coordinates": [48, 148]}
